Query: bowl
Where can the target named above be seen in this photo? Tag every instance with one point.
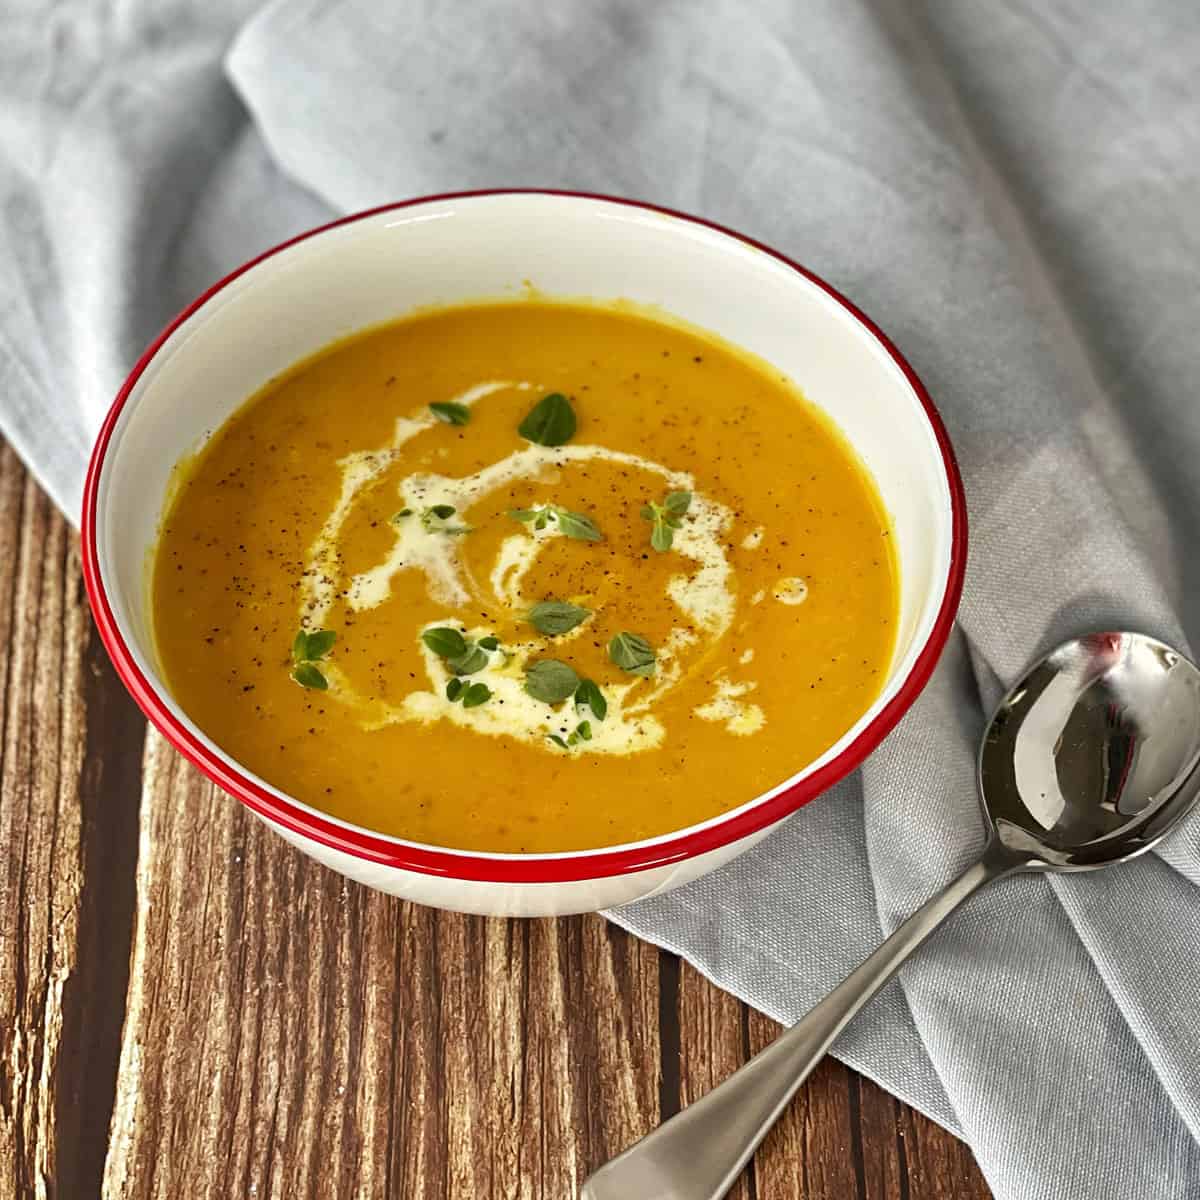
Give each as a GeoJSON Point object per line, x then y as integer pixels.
{"type": "Point", "coordinates": [381, 264]}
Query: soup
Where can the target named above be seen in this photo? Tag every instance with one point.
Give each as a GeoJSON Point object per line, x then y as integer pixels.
{"type": "Point", "coordinates": [525, 577]}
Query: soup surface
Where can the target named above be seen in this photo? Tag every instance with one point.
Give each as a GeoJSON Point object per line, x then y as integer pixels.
{"type": "Point", "coordinates": [525, 576]}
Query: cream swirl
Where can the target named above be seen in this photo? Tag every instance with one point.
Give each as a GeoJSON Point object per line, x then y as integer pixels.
{"type": "Point", "coordinates": [704, 596]}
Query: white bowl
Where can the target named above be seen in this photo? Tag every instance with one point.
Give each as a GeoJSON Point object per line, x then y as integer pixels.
{"type": "Point", "coordinates": [380, 264]}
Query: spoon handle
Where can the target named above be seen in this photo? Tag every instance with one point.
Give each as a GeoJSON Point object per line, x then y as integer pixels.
{"type": "Point", "coordinates": [698, 1153]}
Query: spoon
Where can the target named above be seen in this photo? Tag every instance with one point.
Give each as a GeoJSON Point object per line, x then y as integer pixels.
{"type": "Point", "coordinates": [1091, 759]}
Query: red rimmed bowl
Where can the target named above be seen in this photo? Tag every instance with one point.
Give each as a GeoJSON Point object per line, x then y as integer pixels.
{"type": "Point", "coordinates": [379, 265]}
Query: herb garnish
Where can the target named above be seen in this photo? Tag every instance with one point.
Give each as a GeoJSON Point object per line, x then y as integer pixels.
{"type": "Point", "coordinates": [581, 733]}
{"type": "Point", "coordinates": [307, 676]}
{"type": "Point", "coordinates": [551, 421]}
{"type": "Point", "coordinates": [433, 520]}
{"type": "Point", "coordinates": [472, 695]}
{"type": "Point", "coordinates": [489, 643]}
{"type": "Point", "coordinates": [665, 518]}
{"type": "Point", "coordinates": [474, 660]}
{"type": "Point", "coordinates": [462, 657]}
{"type": "Point", "coordinates": [308, 649]}
{"type": "Point", "coordinates": [589, 696]}
{"type": "Point", "coordinates": [451, 413]}
{"type": "Point", "coordinates": [445, 642]}
{"type": "Point", "coordinates": [571, 524]}
{"type": "Point", "coordinates": [632, 653]}
{"type": "Point", "coordinates": [553, 617]}
{"type": "Point", "coordinates": [550, 681]}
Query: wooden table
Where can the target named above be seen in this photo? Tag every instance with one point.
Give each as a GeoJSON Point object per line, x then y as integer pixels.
{"type": "Point", "coordinates": [190, 1008]}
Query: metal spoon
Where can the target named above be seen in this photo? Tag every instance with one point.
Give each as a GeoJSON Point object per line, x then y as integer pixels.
{"type": "Point", "coordinates": [1091, 759]}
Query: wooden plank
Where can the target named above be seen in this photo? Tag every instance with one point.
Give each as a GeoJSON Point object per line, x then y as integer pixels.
{"type": "Point", "coordinates": [42, 876]}
{"type": "Point", "coordinates": [883, 1166]}
{"type": "Point", "coordinates": [811, 1154]}
{"type": "Point", "coordinates": [935, 1163]}
{"type": "Point", "coordinates": [68, 801]}
{"type": "Point", "coordinates": [94, 996]}
{"type": "Point", "coordinates": [713, 1043]}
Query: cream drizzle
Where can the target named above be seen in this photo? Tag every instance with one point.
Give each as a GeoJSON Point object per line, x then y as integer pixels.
{"type": "Point", "coordinates": [728, 707]}
{"type": "Point", "coordinates": [511, 712]}
{"type": "Point", "coordinates": [318, 589]}
{"type": "Point", "coordinates": [706, 596]}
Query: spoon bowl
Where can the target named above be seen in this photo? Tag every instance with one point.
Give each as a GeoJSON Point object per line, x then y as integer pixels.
{"type": "Point", "coordinates": [1095, 754]}
{"type": "Point", "coordinates": [1091, 759]}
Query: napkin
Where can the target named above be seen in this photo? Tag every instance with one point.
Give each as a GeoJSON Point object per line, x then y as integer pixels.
{"type": "Point", "coordinates": [1010, 189]}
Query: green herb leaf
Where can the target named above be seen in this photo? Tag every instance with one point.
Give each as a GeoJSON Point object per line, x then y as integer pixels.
{"type": "Point", "coordinates": [308, 647]}
{"type": "Point", "coordinates": [632, 653]}
{"type": "Point", "coordinates": [396, 518]}
{"type": "Point", "coordinates": [300, 647]}
{"type": "Point", "coordinates": [581, 733]}
{"type": "Point", "coordinates": [451, 413]}
{"type": "Point", "coordinates": [307, 676]}
{"type": "Point", "coordinates": [470, 662]}
{"type": "Point", "coordinates": [666, 517]}
{"type": "Point", "coordinates": [590, 696]}
{"type": "Point", "coordinates": [553, 617]}
{"type": "Point", "coordinates": [570, 524]}
{"type": "Point", "coordinates": [489, 643]}
{"type": "Point", "coordinates": [577, 525]}
{"type": "Point", "coordinates": [453, 688]}
{"type": "Point", "coordinates": [445, 642]}
{"type": "Point", "coordinates": [557, 740]}
{"type": "Point", "coordinates": [550, 681]}
{"type": "Point", "coordinates": [433, 520]}
{"type": "Point", "coordinates": [320, 643]}
{"type": "Point", "coordinates": [551, 421]}
{"type": "Point", "coordinates": [476, 694]}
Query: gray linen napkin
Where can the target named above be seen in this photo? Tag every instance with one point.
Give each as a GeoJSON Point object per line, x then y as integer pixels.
{"type": "Point", "coordinates": [1010, 189]}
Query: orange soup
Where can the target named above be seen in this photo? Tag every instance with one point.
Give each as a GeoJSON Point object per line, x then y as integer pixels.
{"type": "Point", "coordinates": [525, 577]}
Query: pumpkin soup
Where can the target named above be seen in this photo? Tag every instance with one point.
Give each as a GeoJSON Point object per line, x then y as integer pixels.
{"type": "Point", "coordinates": [525, 576]}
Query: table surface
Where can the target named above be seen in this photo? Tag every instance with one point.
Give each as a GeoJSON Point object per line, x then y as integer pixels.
{"type": "Point", "coordinates": [192, 1008]}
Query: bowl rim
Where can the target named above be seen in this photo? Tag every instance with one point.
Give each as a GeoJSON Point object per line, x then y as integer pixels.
{"type": "Point", "coordinates": [553, 867]}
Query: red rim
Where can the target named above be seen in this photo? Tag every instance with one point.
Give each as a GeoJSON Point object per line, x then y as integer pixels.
{"type": "Point", "coordinates": [572, 866]}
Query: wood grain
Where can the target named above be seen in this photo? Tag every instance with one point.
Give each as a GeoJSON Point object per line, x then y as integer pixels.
{"type": "Point", "coordinates": [42, 878]}
{"type": "Point", "coordinates": [190, 1007]}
